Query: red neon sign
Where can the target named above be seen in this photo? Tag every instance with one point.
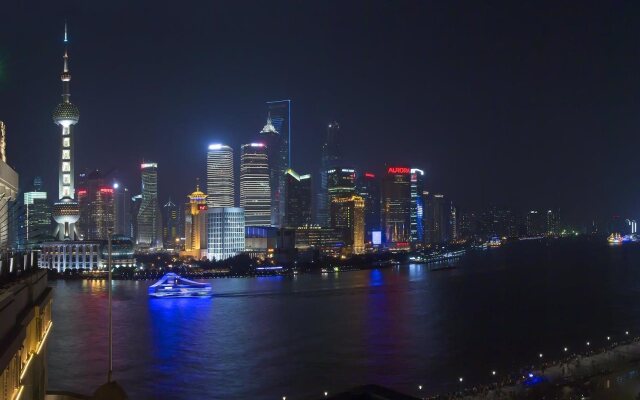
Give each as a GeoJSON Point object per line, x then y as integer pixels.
{"type": "Point", "coordinates": [398, 170]}
{"type": "Point", "coordinates": [82, 192]}
{"type": "Point", "coordinates": [106, 190]}
{"type": "Point", "coordinates": [202, 207]}
{"type": "Point", "coordinates": [369, 175]}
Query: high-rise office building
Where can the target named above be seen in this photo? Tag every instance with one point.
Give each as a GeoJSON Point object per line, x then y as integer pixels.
{"type": "Point", "coordinates": [436, 218]}
{"type": "Point", "coordinates": [417, 206]}
{"type": "Point", "coordinates": [341, 182]}
{"type": "Point", "coordinates": [369, 190]}
{"type": "Point", "coordinates": [149, 220]}
{"type": "Point", "coordinates": [331, 159]}
{"type": "Point", "coordinates": [299, 193]}
{"type": "Point", "coordinates": [97, 207]}
{"type": "Point", "coordinates": [122, 198]}
{"type": "Point", "coordinates": [347, 212]}
{"type": "Point", "coordinates": [37, 214]}
{"type": "Point", "coordinates": [220, 176]}
{"type": "Point", "coordinates": [280, 115]}
{"type": "Point", "coordinates": [66, 211]}
{"type": "Point", "coordinates": [195, 225]}
{"type": "Point", "coordinates": [553, 223]}
{"type": "Point", "coordinates": [535, 223]}
{"type": "Point", "coordinates": [396, 207]}
{"type": "Point", "coordinates": [278, 164]}
{"type": "Point", "coordinates": [170, 220]}
{"type": "Point", "coordinates": [225, 232]}
{"type": "Point", "coordinates": [255, 189]}
{"type": "Point", "coordinates": [454, 230]}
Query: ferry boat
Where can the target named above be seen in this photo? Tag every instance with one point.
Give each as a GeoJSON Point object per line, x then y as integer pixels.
{"type": "Point", "coordinates": [614, 238]}
{"type": "Point", "coordinates": [173, 285]}
{"type": "Point", "coordinates": [495, 242]}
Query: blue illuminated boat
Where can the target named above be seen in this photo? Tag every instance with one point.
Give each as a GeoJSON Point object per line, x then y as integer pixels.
{"type": "Point", "coordinates": [173, 285]}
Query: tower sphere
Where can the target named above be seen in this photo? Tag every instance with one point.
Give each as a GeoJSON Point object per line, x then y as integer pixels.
{"type": "Point", "coordinates": [66, 114]}
{"type": "Point", "coordinates": [66, 210]}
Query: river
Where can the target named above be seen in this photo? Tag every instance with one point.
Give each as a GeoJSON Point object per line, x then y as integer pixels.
{"type": "Point", "coordinates": [401, 327]}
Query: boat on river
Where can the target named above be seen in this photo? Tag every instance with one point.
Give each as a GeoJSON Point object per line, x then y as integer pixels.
{"type": "Point", "coordinates": [173, 285]}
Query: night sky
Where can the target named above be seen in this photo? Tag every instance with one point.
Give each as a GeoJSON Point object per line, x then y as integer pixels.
{"type": "Point", "coordinates": [524, 104]}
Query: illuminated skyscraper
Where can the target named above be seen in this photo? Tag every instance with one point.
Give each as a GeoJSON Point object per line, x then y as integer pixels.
{"type": "Point", "coordinates": [331, 159]}
{"type": "Point", "coordinates": [255, 190]}
{"type": "Point", "coordinates": [220, 176]}
{"type": "Point", "coordinates": [437, 218]}
{"type": "Point", "coordinates": [170, 220]}
{"type": "Point", "coordinates": [341, 182]}
{"type": "Point", "coordinates": [396, 207]}
{"type": "Point", "coordinates": [417, 206]}
{"type": "Point", "coordinates": [97, 207]}
{"type": "Point", "coordinates": [122, 198]}
{"type": "Point", "coordinates": [149, 232]}
{"type": "Point", "coordinates": [66, 211]}
{"type": "Point", "coordinates": [299, 193]}
{"type": "Point", "coordinates": [280, 113]}
{"type": "Point", "coordinates": [369, 190]}
{"type": "Point", "coordinates": [347, 212]}
{"type": "Point", "coordinates": [37, 214]}
{"type": "Point", "coordinates": [278, 164]}
{"type": "Point", "coordinates": [195, 225]}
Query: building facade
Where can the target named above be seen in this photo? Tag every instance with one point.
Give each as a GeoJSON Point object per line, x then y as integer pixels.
{"type": "Point", "coordinates": [170, 222]}
{"type": "Point", "coordinates": [255, 186]}
{"type": "Point", "coordinates": [369, 190]}
{"type": "Point", "coordinates": [348, 213]}
{"type": "Point", "coordinates": [417, 206]}
{"type": "Point", "coordinates": [97, 207]}
{"type": "Point", "coordinates": [37, 214]}
{"type": "Point", "coordinates": [195, 225]}
{"type": "Point", "coordinates": [396, 207]}
{"type": "Point", "coordinates": [277, 149]}
{"type": "Point", "coordinates": [123, 223]}
{"type": "Point", "coordinates": [331, 158]}
{"type": "Point", "coordinates": [149, 220]}
{"type": "Point", "coordinates": [225, 232]}
{"type": "Point", "coordinates": [299, 196]}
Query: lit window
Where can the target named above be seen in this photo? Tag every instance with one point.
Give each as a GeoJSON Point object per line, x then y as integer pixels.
{"type": "Point", "coordinates": [66, 166]}
{"type": "Point", "coordinates": [66, 179]}
{"type": "Point", "coordinates": [66, 154]}
{"type": "Point", "coordinates": [66, 142]}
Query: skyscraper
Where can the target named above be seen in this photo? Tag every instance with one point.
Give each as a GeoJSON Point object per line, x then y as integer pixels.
{"type": "Point", "coordinates": [149, 218]}
{"type": "Point", "coordinates": [169, 224]}
{"type": "Point", "coordinates": [299, 193]}
{"type": "Point", "coordinates": [341, 182]}
{"type": "Point", "coordinates": [417, 206]}
{"type": "Point", "coordinates": [97, 207]}
{"type": "Point", "coordinates": [122, 211]}
{"type": "Point", "coordinates": [437, 218]}
{"type": "Point", "coordinates": [37, 214]}
{"type": "Point", "coordinates": [396, 207]}
{"type": "Point", "coordinates": [331, 159]}
{"type": "Point", "coordinates": [220, 176]}
{"type": "Point", "coordinates": [195, 225]}
{"type": "Point", "coordinates": [278, 164]}
{"type": "Point", "coordinates": [369, 190]}
{"type": "Point", "coordinates": [280, 113]}
{"type": "Point", "coordinates": [66, 211]}
{"type": "Point", "coordinates": [255, 190]}
{"type": "Point", "coordinates": [347, 212]}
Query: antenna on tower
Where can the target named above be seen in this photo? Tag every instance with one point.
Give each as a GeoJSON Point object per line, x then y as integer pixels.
{"type": "Point", "coordinates": [66, 36]}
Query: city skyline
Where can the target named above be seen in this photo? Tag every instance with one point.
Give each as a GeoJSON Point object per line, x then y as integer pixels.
{"type": "Point", "coordinates": [520, 140]}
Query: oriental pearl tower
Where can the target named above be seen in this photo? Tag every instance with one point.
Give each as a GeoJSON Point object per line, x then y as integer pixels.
{"type": "Point", "coordinates": [66, 211]}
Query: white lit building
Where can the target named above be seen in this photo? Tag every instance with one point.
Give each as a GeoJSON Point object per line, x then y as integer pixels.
{"type": "Point", "coordinates": [220, 176]}
{"type": "Point", "coordinates": [255, 192]}
{"type": "Point", "coordinates": [225, 232]}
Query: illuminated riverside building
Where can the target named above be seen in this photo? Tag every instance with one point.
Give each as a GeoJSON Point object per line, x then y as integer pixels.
{"type": "Point", "coordinates": [122, 253]}
{"type": "Point", "coordinates": [97, 207]}
{"type": "Point", "coordinates": [195, 225]}
{"type": "Point", "coordinates": [348, 213]}
{"type": "Point", "coordinates": [149, 222]}
{"type": "Point", "coordinates": [8, 191]}
{"type": "Point", "coordinates": [64, 255]}
{"type": "Point", "coordinates": [437, 218]}
{"type": "Point", "coordinates": [299, 195]}
{"type": "Point", "coordinates": [170, 221]}
{"type": "Point", "coordinates": [122, 198]}
{"type": "Point", "coordinates": [396, 207]}
{"type": "Point", "coordinates": [66, 210]}
{"type": "Point", "coordinates": [369, 190]}
{"type": "Point", "coordinates": [225, 232]}
{"type": "Point", "coordinates": [277, 155]}
{"type": "Point", "coordinates": [37, 214]}
{"type": "Point", "coordinates": [220, 176]}
{"type": "Point", "coordinates": [25, 324]}
{"type": "Point", "coordinates": [341, 182]}
{"type": "Point", "coordinates": [417, 206]}
{"type": "Point", "coordinates": [326, 240]}
{"type": "Point", "coordinates": [255, 190]}
{"type": "Point", "coordinates": [331, 159]}
{"type": "Point", "coordinates": [279, 112]}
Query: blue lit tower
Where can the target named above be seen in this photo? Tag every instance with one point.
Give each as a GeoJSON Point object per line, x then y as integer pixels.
{"type": "Point", "coordinates": [66, 210]}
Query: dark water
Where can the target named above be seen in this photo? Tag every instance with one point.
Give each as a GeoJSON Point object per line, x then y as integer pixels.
{"type": "Point", "coordinates": [265, 338]}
